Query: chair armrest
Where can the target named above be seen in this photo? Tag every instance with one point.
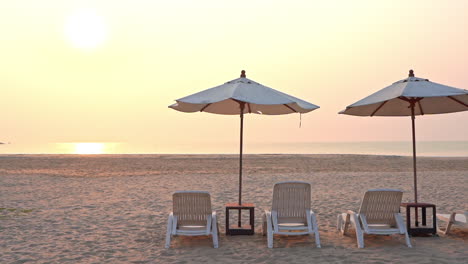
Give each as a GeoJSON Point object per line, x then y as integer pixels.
{"type": "Point", "coordinates": [267, 217]}
{"type": "Point", "coordinates": [172, 223]}
{"type": "Point", "coordinates": [354, 218]}
{"type": "Point", "coordinates": [214, 222]}
{"type": "Point", "coordinates": [447, 217]}
{"type": "Point", "coordinates": [460, 212]}
{"type": "Point", "coordinates": [400, 223]}
{"type": "Point", "coordinates": [312, 222]}
{"type": "Point", "coordinates": [214, 216]}
{"type": "Point", "coordinates": [210, 222]}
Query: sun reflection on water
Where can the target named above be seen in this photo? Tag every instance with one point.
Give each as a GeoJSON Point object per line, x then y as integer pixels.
{"type": "Point", "coordinates": [89, 148]}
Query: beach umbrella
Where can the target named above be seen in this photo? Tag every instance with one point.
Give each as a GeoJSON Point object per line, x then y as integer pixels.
{"type": "Point", "coordinates": [242, 96]}
{"type": "Point", "coordinates": [411, 97]}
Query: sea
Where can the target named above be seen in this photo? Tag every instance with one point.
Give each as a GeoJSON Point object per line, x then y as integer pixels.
{"type": "Point", "coordinates": [399, 148]}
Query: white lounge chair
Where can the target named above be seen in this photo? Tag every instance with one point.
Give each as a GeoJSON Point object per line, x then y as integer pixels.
{"type": "Point", "coordinates": [291, 213]}
{"type": "Point", "coordinates": [453, 219]}
{"type": "Point", "coordinates": [192, 216]}
{"type": "Point", "coordinates": [378, 215]}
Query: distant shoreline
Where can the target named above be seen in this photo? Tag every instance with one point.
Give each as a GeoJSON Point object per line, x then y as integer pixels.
{"type": "Point", "coordinates": [224, 155]}
{"type": "Point", "coordinates": [385, 148]}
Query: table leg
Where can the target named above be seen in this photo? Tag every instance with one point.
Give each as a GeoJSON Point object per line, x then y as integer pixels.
{"type": "Point", "coordinates": [408, 219]}
{"type": "Point", "coordinates": [424, 216]}
{"type": "Point", "coordinates": [252, 219]}
{"type": "Point", "coordinates": [227, 222]}
{"type": "Point", "coordinates": [416, 216]}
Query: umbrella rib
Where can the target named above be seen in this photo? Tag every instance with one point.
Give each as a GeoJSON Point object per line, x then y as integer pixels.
{"type": "Point", "coordinates": [420, 107]}
{"type": "Point", "coordinates": [205, 107]}
{"type": "Point", "coordinates": [241, 104]}
{"type": "Point", "coordinates": [458, 101]}
{"type": "Point", "coordinates": [378, 108]}
{"type": "Point", "coordinates": [410, 100]}
{"type": "Point", "coordinates": [292, 109]}
{"type": "Point", "coordinates": [238, 101]}
{"type": "Point", "coordinates": [248, 106]}
{"type": "Point", "coordinates": [404, 98]}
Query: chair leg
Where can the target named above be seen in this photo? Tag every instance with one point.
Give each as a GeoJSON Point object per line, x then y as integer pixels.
{"type": "Point", "coordinates": [339, 223]}
{"type": "Point", "coordinates": [214, 231]}
{"type": "Point", "coordinates": [269, 231]}
{"type": "Point", "coordinates": [169, 231]}
{"type": "Point", "coordinates": [438, 226]}
{"type": "Point", "coordinates": [270, 239]}
{"type": "Point", "coordinates": [264, 225]}
{"type": "Point", "coordinates": [316, 230]}
{"type": "Point", "coordinates": [450, 223]}
{"type": "Point", "coordinates": [359, 234]}
{"type": "Point", "coordinates": [346, 223]}
{"type": "Point", "coordinates": [408, 241]}
{"type": "Point", "coordinates": [401, 225]}
{"type": "Point", "coordinates": [343, 223]}
{"type": "Point", "coordinates": [447, 229]}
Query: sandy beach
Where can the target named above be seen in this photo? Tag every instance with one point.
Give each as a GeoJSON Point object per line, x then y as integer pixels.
{"type": "Point", "coordinates": [114, 208]}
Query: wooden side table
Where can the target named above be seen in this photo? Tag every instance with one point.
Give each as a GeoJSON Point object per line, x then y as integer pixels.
{"type": "Point", "coordinates": [239, 229]}
{"type": "Point", "coordinates": [423, 229]}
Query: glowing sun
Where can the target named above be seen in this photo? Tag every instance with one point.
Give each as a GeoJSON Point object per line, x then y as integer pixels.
{"type": "Point", "coordinates": [89, 148]}
{"type": "Point", "coordinates": [85, 29]}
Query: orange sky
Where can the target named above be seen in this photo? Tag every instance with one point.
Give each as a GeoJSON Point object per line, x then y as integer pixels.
{"type": "Point", "coordinates": [113, 80]}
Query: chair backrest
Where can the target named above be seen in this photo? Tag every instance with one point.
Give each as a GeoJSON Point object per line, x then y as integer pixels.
{"type": "Point", "coordinates": [380, 206]}
{"type": "Point", "coordinates": [291, 199]}
{"type": "Point", "coordinates": [191, 207]}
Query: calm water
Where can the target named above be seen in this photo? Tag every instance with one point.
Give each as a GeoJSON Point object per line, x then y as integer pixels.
{"type": "Point", "coordinates": [427, 148]}
{"type": "Point", "coordinates": [403, 148]}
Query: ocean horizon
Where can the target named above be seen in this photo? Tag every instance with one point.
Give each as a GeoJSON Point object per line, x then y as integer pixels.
{"type": "Point", "coordinates": [399, 148]}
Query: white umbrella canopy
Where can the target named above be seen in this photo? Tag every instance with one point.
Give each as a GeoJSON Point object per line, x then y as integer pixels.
{"type": "Point", "coordinates": [241, 96]}
{"type": "Point", "coordinates": [259, 99]}
{"type": "Point", "coordinates": [429, 97]}
{"type": "Point", "coordinates": [410, 97]}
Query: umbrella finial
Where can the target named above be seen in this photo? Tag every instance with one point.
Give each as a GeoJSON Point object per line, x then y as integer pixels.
{"type": "Point", "coordinates": [242, 74]}
{"type": "Point", "coordinates": [411, 73]}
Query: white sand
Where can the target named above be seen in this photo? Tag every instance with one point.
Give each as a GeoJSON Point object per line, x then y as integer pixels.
{"type": "Point", "coordinates": [113, 209]}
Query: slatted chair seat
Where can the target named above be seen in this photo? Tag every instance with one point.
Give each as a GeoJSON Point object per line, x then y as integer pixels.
{"type": "Point", "coordinates": [378, 215]}
{"type": "Point", "coordinates": [190, 228]}
{"type": "Point", "coordinates": [192, 216]}
{"type": "Point", "coordinates": [290, 213]}
{"type": "Point", "coordinates": [297, 226]}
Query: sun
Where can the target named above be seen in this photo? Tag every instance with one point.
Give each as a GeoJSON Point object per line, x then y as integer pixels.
{"type": "Point", "coordinates": [86, 29]}
{"type": "Point", "coordinates": [89, 148]}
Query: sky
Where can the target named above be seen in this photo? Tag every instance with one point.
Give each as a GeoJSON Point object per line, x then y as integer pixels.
{"type": "Point", "coordinates": [105, 71]}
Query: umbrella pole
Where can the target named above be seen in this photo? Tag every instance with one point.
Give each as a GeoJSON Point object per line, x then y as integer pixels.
{"type": "Point", "coordinates": [414, 161]}
{"type": "Point", "coordinates": [240, 158]}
